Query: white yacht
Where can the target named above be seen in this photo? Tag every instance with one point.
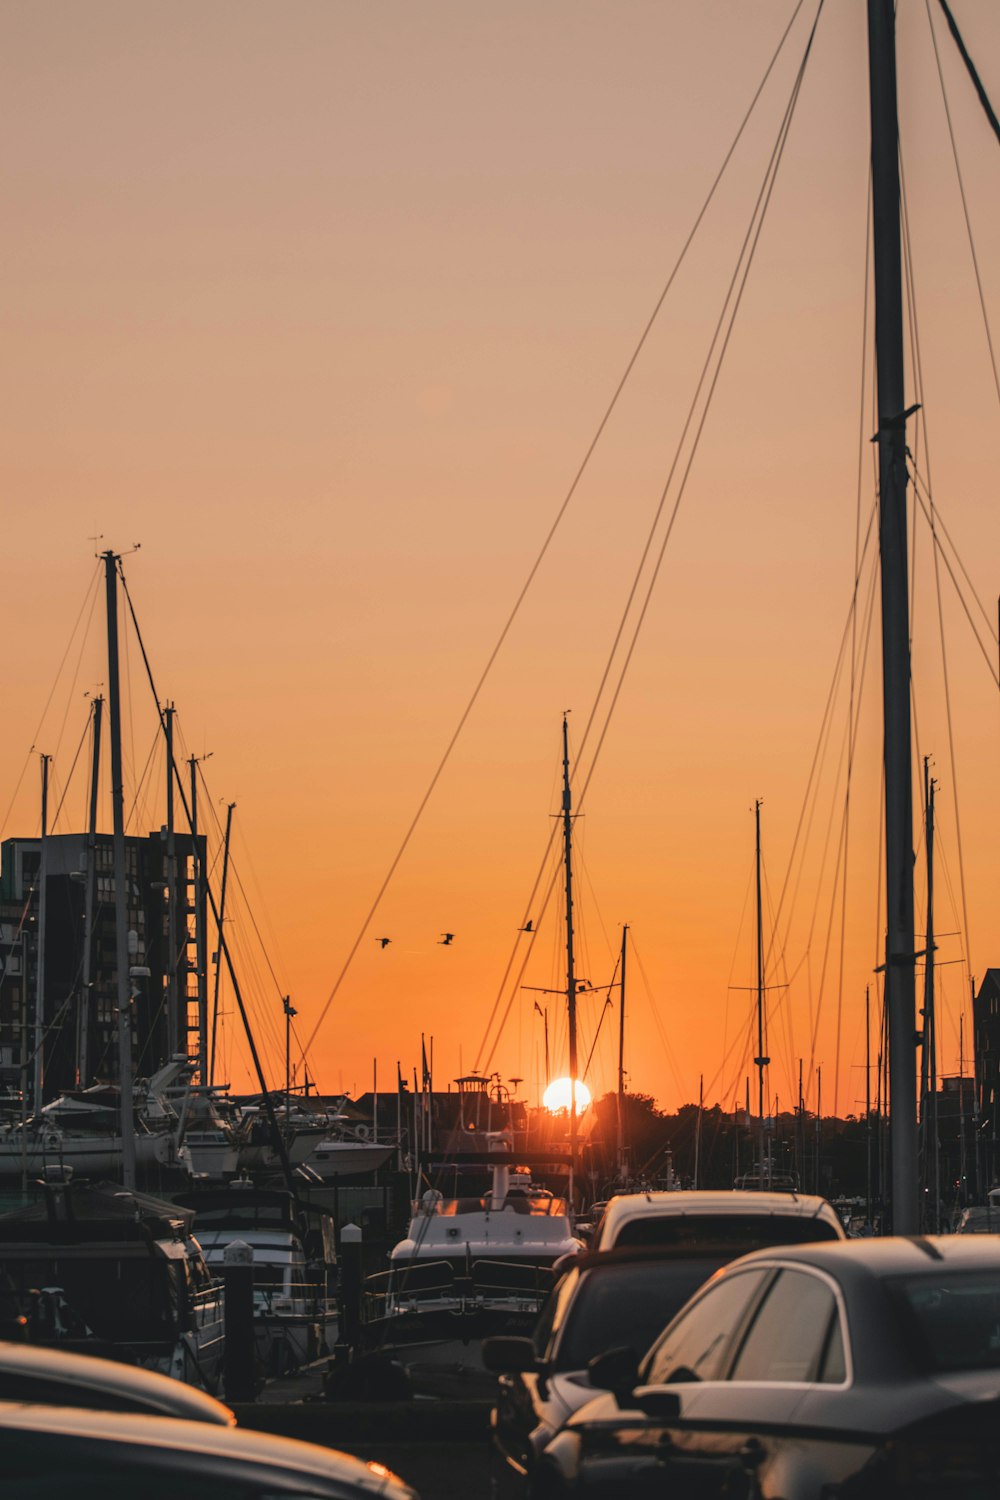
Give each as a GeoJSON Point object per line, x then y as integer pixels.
{"type": "Point", "coordinates": [467, 1269]}
{"type": "Point", "coordinates": [294, 1315]}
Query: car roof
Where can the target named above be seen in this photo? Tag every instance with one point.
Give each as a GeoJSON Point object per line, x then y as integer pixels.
{"type": "Point", "coordinates": [198, 1441]}
{"type": "Point", "coordinates": [118, 1381]}
{"type": "Point", "coordinates": [895, 1255]}
{"type": "Point", "coordinates": [695, 1202]}
{"type": "Point", "coordinates": [623, 1255]}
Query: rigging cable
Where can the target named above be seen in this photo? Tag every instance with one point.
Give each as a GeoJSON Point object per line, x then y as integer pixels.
{"type": "Point", "coordinates": [919, 388]}
{"type": "Point", "coordinates": [69, 778]}
{"type": "Point", "coordinates": [91, 590]}
{"type": "Point", "coordinates": [851, 699]}
{"type": "Point", "coordinates": [717, 349]}
{"type": "Point", "coordinates": [936, 525]}
{"type": "Point", "coordinates": [970, 65]}
{"type": "Point", "coordinates": [961, 180]}
{"type": "Point", "coordinates": [563, 507]}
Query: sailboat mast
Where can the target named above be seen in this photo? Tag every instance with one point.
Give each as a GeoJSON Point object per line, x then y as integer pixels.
{"type": "Point", "coordinates": [218, 955]}
{"type": "Point", "coordinates": [567, 813]}
{"type": "Point", "coordinates": [760, 1060]}
{"type": "Point", "coordinates": [868, 1109]}
{"type": "Point", "coordinates": [930, 1017]}
{"type": "Point", "coordinates": [621, 1060]}
{"type": "Point", "coordinates": [121, 909]}
{"type": "Point", "coordinates": [697, 1130]}
{"type": "Point", "coordinates": [174, 1042]}
{"type": "Point", "coordinates": [199, 929]}
{"type": "Point", "coordinates": [89, 892]}
{"type": "Point", "coordinates": [43, 883]}
{"type": "Point", "coordinates": [899, 955]}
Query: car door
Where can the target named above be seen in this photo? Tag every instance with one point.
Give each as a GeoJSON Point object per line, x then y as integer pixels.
{"type": "Point", "coordinates": [523, 1399]}
{"type": "Point", "coordinates": [633, 1454]}
{"type": "Point", "coordinates": [738, 1435]}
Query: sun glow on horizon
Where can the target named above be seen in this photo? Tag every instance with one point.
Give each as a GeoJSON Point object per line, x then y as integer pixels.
{"type": "Point", "coordinates": [557, 1096]}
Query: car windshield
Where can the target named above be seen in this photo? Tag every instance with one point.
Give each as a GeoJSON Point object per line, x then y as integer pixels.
{"type": "Point", "coordinates": [740, 1232]}
{"type": "Point", "coordinates": [955, 1316]}
{"type": "Point", "coordinates": [627, 1306]}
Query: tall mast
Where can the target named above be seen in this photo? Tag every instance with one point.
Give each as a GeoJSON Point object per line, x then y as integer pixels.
{"type": "Point", "coordinates": [760, 1060]}
{"type": "Point", "coordinates": [121, 911]}
{"type": "Point", "coordinates": [218, 955]}
{"type": "Point", "coordinates": [819, 1123]}
{"type": "Point", "coordinates": [43, 882]}
{"type": "Point", "coordinates": [868, 1110]}
{"type": "Point", "coordinates": [800, 1135]}
{"type": "Point", "coordinates": [567, 813]}
{"type": "Point", "coordinates": [697, 1130]}
{"type": "Point", "coordinates": [199, 929]}
{"type": "Point", "coordinates": [89, 891]}
{"type": "Point", "coordinates": [961, 1109]}
{"type": "Point", "coordinates": [173, 1006]}
{"type": "Point", "coordinates": [621, 1060]}
{"type": "Point", "coordinates": [930, 1111]}
{"type": "Point", "coordinates": [899, 955]}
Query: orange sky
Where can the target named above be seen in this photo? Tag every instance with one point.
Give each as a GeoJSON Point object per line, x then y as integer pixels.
{"type": "Point", "coordinates": [322, 303]}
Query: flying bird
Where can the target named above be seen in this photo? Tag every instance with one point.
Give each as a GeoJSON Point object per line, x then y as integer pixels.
{"type": "Point", "coordinates": [529, 926]}
{"type": "Point", "coordinates": [446, 939]}
{"type": "Point", "coordinates": [383, 942]}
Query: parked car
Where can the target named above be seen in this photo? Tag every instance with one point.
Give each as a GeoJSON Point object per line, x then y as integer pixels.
{"type": "Point", "coordinates": [743, 1220]}
{"type": "Point", "coordinates": [864, 1369]}
{"type": "Point", "coordinates": [52, 1452]}
{"type": "Point", "coordinates": [56, 1377]}
{"type": "Point", "coordinates": [602, 1299]}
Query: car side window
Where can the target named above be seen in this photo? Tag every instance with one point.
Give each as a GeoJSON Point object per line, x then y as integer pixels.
{"type": "Point", "coordinates": [554, 1311]}
{"type": "Point", "coordinates": [693, 1348]}
{"type": "Point", "coordinates": [834, 1369]}
{"type": "Point", "coordinates": [795, 1335]}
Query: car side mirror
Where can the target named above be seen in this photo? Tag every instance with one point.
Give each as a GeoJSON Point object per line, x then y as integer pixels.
{"type": "Point", "coordinates": [506, 1355]}
{"type": "Point", "coordinates": [617, 1371]}
{"type": "Point", "coordinates": [656, 1402]}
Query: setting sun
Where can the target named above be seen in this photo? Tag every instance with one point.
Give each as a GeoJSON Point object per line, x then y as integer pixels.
{"type": "Point", "coordinates": [557, 1096]}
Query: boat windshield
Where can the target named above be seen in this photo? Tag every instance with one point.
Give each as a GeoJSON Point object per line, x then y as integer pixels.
{"type": "Point", "coordinates": [540, 1205]}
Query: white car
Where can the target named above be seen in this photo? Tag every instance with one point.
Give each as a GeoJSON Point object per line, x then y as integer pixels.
{"type": "Point", "coordinates": [741, 1220]}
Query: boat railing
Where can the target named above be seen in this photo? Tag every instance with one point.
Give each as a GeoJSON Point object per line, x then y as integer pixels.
{"type": "Point", "coordinates": [421, 1281]}
{"type": "Point", "coordinates": [504, 1278]}
{"type": "Point", "coordinates": [302, 1298]}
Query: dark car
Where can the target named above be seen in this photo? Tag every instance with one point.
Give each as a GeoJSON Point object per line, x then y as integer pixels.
{"type": "Point", "coordinates": [51, 1452]}
{"type": "Point", "coordinates": [57, 1377]}
{"type": "Point", "coordinates": [603, 1299]}
{"type": "Point", "coordinates": [855, 1370]}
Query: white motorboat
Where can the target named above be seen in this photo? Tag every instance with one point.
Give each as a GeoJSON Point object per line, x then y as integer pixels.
{"type": "Point", "coordinates": [468, 1268]}
{"type": "Point", "coordinates": [294, 1316]}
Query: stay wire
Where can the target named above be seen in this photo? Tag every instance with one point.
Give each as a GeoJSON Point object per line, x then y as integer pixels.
{"type": "Point", "coordinates": [971, 69]}
{"type": "Point", "coordinates": [961, 187]}
{"type": "Point", "coordinates": [942, 635]}
{"type": "Point", "coordinates": [717, 351]}
{"type": "Point", "coordinates": [224, 946]}
{"type": "Point", "coordinates": [91, 590]}
{"type": "Point", "coordinates": [69, 779]}
{"type": "Point", "coordinates": [850, 736]}
{"type": "Point", "coordinates": [533, 571]}
{"type": "Point", "coordinates": [932, 516]}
